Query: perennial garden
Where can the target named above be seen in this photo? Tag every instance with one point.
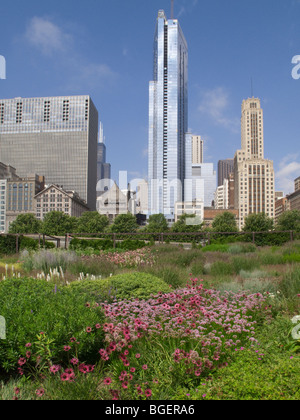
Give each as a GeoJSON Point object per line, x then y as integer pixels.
{"type": "Point", "coordinates": [151, 323]}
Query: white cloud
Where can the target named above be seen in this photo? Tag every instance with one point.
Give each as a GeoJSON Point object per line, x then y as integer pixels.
{"type": "Point", "coordinates": [46, 36]}
{"type": "Point", "coordinates": [289, 170]}
{"type": "Point", "coordinates": [215, 104]}
{"type": "Point", "coordinates": [50, 39]}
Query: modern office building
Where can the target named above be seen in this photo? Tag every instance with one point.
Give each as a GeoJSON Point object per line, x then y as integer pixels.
{"type": "Point", "coordinates": [168, 115]}
{"type": "Point", "coordinates": [254, 180]}
{"type": "Point", "coordinates": [53, 136]}
{"type": "Point", "coordinates": [103, 168]}
{"type": "Point", "coordinates": [225, 168]}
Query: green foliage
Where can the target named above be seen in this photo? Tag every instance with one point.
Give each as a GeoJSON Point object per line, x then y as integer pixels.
{"type": "Point", "coordinates": [92, 222]}
{"type": "Point", "coordinates": [225, 222]}
{"type": "Point", "coordinates": [187, 223]}
{"type": "Point", "coordinates": [258, 222]}
{"type": "Point", "coordinates": [58, 223]}
{"type": "Point", "coordinates": [33, 306]}
{"type": "Point", "coordinates": [25, 223]}
{"type": "Point", "coordinates": [95, 244]}
{"type": "Point", "coordinates": [157, 223]}
{"type": "Point", "coordinates": [123, 286]}
{"type": "Point", "coordinates": [8, 244]}
{"type": "Point", "coordinates": [33, 244]}
{"type": "Point", "coordinates": [289, 220]}
{"type": "Point", "coordinates": [215, 248]}
{"type": "Point", "coordinates": [124, 223]}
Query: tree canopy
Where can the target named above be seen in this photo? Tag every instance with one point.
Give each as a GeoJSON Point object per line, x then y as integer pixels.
{"type": "Point", "coordinates": [225, 222]}
{"type": "Point", "coordinates": [124, 223]}
{"type": "Point", "coordinates": [25, 223]}
{"type": "Point", "coordinates": [258, 222]}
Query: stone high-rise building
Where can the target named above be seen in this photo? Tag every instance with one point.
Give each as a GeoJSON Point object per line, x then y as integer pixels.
{"type": "Point", "coordinates": [254, 180]}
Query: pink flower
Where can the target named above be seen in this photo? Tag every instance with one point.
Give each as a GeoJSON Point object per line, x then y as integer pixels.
{"type": "Point", "coordinates": [138, 355]}
{"type": "Point", "coordinates": [107, 381]}
{"type": "Point", "coordinates": [88, 329]}
{"type": "Point", "coordinates": [22, 361]}
{"type": "Point", "coordinates": [28, 345]}
{"type": "Point", "coordinates": [145, 367]}
{"type": "Point", "coordinates": [40, 392]}
{"type": "Point", "coordinates": [148, 393]}
{"type": "Point", "coordinates": [74, 361]}
{"type": "Point", "coordinates": [65, 377]}
{"type": "Point", "coordinates": [67, 348]}
{"type": "Point", "coordinates": [54, 369]}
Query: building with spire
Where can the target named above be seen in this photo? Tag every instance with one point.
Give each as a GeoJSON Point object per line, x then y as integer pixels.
{"type": "Point", "coordinates": [103, 168]}
{"type": "Point", "coordinates": [254, 180]}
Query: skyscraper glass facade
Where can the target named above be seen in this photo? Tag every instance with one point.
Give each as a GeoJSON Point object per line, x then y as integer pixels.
{"type": "Point", "coordinates": [55, 137]}
{"type": "Point", "coordinates": [168, 99]}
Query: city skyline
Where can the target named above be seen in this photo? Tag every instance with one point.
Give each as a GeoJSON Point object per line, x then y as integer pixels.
{"type": "Point", "coordinates": [56, 50]}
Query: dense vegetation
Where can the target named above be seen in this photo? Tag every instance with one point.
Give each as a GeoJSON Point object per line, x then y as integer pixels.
{"type": "Point", "coordinates": [159, 322]}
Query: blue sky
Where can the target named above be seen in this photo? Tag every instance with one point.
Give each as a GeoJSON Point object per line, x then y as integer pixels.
{"type": "Point", "coordinates": [104, 48]}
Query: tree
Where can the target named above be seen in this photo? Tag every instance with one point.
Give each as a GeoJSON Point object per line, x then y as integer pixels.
{"type": "Point", "coordinates": [289, 220]}
{"type": "Point", "coordinates": [25, 223]}
{"type": "Point", "coordinates": [157, 223]}
{"type": "Point", "coordinates": [92, 222]}
{"type": "Point", "coordinates": [187, 223]}
{"type": "Point", "coordinates": [225, 222]}
{"type": "Point", "coordinates": [58, 223]}
{"type": "Point", "coordinates": [124, 223]}
{"type": "Point", "coordinates": [258, 222]}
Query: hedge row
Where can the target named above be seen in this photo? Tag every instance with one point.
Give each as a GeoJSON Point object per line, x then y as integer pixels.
{"type": "Point", "coordinates": [10, 244]}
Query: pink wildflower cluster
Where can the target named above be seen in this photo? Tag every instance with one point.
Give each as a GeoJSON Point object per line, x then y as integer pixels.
{"type": "Point", "coordinates": [218, 321]}
{"type": "Point", "coordinates": [140, 257]}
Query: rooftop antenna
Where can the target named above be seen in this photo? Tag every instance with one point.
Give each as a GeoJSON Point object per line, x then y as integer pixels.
{"type": "Point", "coordinates": [172, 9]}
{"type": "Point", "coordinates": [251, 87]}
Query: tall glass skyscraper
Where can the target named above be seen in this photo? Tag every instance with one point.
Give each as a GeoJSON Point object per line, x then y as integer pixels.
{"type": "Point", "coordinates": [168, 112]}
{"type": "Point", "coordinates": [55, 137]}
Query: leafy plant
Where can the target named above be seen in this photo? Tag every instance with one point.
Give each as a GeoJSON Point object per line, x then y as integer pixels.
{"type": "Point", "coordinates": [32, 306]}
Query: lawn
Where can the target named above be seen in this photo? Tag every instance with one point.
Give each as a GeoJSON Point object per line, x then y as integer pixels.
{"type": "Point", "coordinates": [156, 323]}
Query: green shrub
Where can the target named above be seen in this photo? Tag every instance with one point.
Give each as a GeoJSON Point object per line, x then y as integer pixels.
{"type": "Point", "coordinates": [33, 244]}
{"type": "Point", "coordinates": [8, 244]}
{"type": "Point", "coordinates": [95, 244]}
{"type": "Point", "coordinates": [215, 248]}
{"type": "Point", "coordinates": [122, 286]}
{"type": "Point", "coordinates": [31, 306]}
